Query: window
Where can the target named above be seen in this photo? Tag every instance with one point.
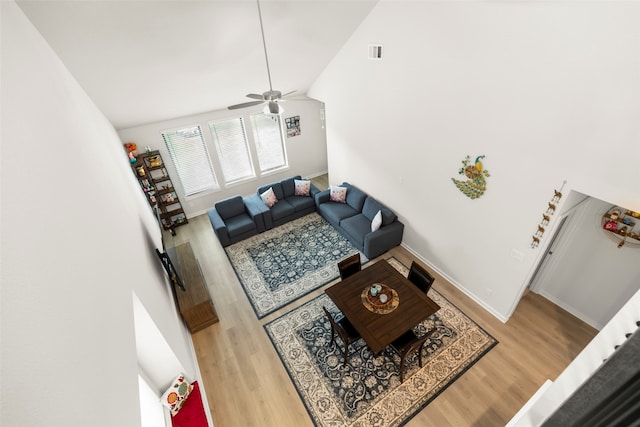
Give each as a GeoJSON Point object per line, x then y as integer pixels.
{"type": "Point", "coordinates": [191, 159]}
{"type": "Point", "coordinates": [267, 133]}
{"type": "Point", "coordinates": [151, 410]}
{"type": "Point", "coordinates": [235, 158]}
{"type": "Point", "coordinates": [233, 149]}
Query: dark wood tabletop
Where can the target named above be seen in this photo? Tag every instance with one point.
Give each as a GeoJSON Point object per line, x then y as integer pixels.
{"type": "Point", "coordinates": [379, 330]}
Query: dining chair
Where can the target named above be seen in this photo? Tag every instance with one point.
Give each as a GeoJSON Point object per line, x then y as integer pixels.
{"type": "Point", "coordinates": [406, 344]}
{"type": "Point", "coordinates": [420, 277]}
{"type": "Point", "coordinates": [345, 331]}
{"type": "Point", "coordinates": [350, 265]}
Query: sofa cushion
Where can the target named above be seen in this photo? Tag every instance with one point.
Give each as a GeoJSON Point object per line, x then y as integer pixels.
{"type": "Point", "coordinates": [303, 187]}
{"type": "Point", "coordinates": [230, 207]}
{"type": "Point", "coordinates": [357, 227]}
{"type": "Point", "coordinates": [281, 210]}
{"type": "Point", "coordinates": [269, 197]}
{"type": "Point", "coordinates": [176, 394]}
{"type": "Point", "coordinates": [355, 197]}
{"type": "Point", "coordinates": [277, 189]}
{"type": "Point", "coordinates": [336, 212]}
{"type": "Point", "coordinates": [289, 186]}
{"type": "Point", "coordinates": [377, 221]}
{"type": "Point", "coordinates": [301, 203]}
{"type": "Point", "coordinates": [371, 208]}
{"type": "Point", "coordinates": [239, 224]}
{"type": "Point", "coordinates": [192, 413]}
{"type": "Point", "coordinates": [338, 194]}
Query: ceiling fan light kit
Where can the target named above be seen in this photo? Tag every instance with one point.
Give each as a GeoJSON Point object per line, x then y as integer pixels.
{"type": "Point", "coordinates": [270, 97]}
{"type": "Point", "coordinates": [273, 108]}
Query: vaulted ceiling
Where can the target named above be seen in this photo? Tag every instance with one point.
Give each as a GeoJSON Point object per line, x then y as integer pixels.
{"type": "Point", "coordinates": [148, 61]}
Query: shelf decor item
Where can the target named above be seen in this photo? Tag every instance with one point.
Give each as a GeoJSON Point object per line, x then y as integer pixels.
{"type": "Point", "coordinates": [476, 183]}
{"type": "Point", "coordinates": [155, 161]}
{"type": "Point", "coordinates": [621, 226]}
{"type": "Point", "coordinates": [132, 152]}
{"type": "Point", "coordinates": [552, 205]}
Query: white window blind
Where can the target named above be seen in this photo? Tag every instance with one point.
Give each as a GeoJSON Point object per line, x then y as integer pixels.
{"type": "Point", "coordinates": [233, 149]}
{"type": "Point", "coordinates": [191, 159]}
{"type": "Point", "coordinates": [267, 133]}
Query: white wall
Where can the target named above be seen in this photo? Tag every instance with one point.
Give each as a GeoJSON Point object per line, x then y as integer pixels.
{"type": "Point", "coordinates": [548, 91]}
{"type": "Point", "coordinates": [306, 153]}
{"type": "Point", "coordinates": [77, 240]}
{"type": "Point", "coordinates": [588, 275]}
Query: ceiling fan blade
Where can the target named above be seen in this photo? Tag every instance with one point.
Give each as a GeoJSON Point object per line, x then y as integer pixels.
{"type": "Point", "coordinates": [244, 105]}
{"type": "Point", "coordinates": [255, 96]}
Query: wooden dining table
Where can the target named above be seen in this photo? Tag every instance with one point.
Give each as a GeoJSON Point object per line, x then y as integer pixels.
{"type": "Point", "coordinates": [380, 330]}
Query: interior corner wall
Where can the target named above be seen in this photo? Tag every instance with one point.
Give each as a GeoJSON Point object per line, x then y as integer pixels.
{"type": "Point", "coordinates": [306, 152]}
{"type": "Point", "coordinates": [547, 91]}
{"type": "Point", "coordinates": [587, 274]}
{"type": "Point", "coordinates": [77, 239]}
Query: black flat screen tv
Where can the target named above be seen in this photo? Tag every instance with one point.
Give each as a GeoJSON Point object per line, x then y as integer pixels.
{"type": "Point", "coordinates": [168, 252]}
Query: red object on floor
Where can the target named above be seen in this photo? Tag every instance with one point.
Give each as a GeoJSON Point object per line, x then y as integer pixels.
{"type": "Point", "coordinates": [192, 412]}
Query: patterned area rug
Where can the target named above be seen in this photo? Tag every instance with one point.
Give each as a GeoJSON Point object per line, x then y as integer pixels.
{"type": "Point", "coordinates": [368, 392]}
{"type": "Point", "coordinates": [289, 261]}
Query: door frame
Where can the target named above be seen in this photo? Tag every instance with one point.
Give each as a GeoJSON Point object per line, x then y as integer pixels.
{"type": "Point", "coordinates": [535, 283]}
{"type": "Point", "coordinates": [562, 232]}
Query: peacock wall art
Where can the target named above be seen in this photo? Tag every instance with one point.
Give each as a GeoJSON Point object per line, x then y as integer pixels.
{"type": "Point", "coordinates": [476, 174]}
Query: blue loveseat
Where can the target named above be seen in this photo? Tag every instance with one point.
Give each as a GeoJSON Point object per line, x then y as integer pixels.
{"type": "Point", "coordinates": [354, 218]}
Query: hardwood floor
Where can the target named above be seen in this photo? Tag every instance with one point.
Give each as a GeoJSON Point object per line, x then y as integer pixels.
{"type": "Point", "coordinates": [247, 385]}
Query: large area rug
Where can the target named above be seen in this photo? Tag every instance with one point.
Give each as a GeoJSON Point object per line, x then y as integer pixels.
{"type": "Point", "coordinates": [282, 264]}
{"type": "Point", "coordinates": [368, 392]}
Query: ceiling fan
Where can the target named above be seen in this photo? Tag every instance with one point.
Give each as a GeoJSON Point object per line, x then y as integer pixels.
{"type": "Point", "coordinates": [270, 97]}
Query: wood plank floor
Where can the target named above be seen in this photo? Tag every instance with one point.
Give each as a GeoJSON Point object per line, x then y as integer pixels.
{"type": "Point", "coordinates": [247, 385]}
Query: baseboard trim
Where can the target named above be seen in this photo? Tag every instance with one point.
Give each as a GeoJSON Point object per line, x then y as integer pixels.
{"type": "Point", "coordinates": [313, 175]}
{"type": "Point", "coordinates": [464, 290]}
{"type": "Point", "coordinates": [591, 322]}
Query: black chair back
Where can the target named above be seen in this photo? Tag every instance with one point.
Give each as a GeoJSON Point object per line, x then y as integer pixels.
{"type": "Point", "coordinates": [345, 331]}
{"type": "Point", "coordinates": [350, 266]}
{"type": "Point", "coordinates": [420, 277]}
{"type": "Point", "coordinates": [406, 344]}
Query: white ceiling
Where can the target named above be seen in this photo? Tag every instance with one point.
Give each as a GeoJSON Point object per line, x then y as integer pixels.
{"type": "Point", "coordinates": [147, 61]}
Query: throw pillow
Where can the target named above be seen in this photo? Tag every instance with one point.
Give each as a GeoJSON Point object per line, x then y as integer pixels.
{"type": "Point", "coordinates": [377, 221]}
{"type": "Point", "coordinates": [192, 412]}
{"type": "Point", "coordinates": [269, 197]}
{"type": "Point", "coordinates": [176, 394]}
{"type": "Point", "coordinates": [302, 187]}
{"type": "Point", "coordinates": [338, 194]}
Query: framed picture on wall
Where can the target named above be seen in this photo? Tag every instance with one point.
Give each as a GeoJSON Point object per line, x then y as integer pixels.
{"type": "Point", "coordinates": [293, 126]}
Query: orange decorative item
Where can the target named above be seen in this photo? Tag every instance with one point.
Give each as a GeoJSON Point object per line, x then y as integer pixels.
{"type": "Point", "coordinates": [130, 146]}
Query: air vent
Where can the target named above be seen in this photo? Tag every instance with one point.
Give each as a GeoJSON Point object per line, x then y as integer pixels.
{"type": "Point", "coordinates": [375, 51]}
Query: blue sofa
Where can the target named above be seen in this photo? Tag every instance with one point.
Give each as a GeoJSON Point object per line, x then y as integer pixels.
{"type": "Point", "coordinates": [353, 219]}
{"type": "Point", "coordinates": [289, 206]}
{"type": "Point", "coordinates": [234, 219]}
